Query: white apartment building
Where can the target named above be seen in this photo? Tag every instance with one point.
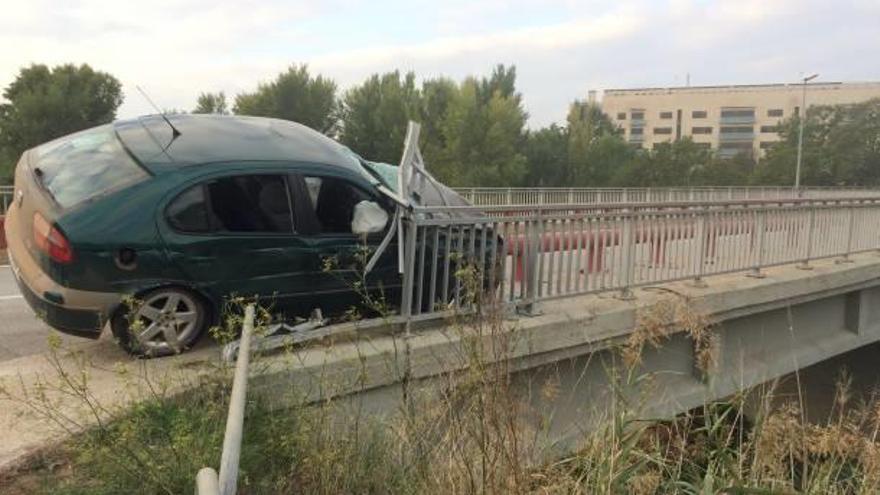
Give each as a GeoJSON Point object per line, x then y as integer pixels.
{"type": "Point", "coordinates": [729, 119]}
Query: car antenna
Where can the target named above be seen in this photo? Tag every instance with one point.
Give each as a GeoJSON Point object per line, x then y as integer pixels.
{"type": "Point", "coordinates": [174, 132]}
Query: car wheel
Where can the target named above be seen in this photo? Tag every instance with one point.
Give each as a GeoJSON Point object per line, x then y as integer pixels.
{"type": "Point", "coordinates": [163, 321]}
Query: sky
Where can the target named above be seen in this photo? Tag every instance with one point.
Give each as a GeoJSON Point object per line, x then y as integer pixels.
{"type": "Point", "coordinates": [176, 49]}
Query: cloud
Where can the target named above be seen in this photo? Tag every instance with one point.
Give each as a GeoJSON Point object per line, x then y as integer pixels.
{"type": "Point", "coordinates": [562, 48]}
{"type": "Point", "coordinates": [542, 38]}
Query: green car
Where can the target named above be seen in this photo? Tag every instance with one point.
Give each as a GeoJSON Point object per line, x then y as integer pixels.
{"type": "Point", "coordinates": [181, 214]}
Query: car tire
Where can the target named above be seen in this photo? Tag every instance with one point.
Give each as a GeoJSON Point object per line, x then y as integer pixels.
{"type": "Point", "coordinates": [161, 322]}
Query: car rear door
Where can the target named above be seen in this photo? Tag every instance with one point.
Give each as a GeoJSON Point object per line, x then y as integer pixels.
{"type": "Point", "coordinates": [234, 235]}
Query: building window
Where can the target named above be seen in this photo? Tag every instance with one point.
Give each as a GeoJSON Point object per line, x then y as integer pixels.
{"type": "Point", "coordinates": [659, 145]}
{"type": "Point", "coordinates": [739, 112]}
{"type": "Point", "coordinates": [637, 115]}
{"type": "Point", "coordinates": [663, 130]}
{"type": "Point", "coordinates": [701, 130]}
{"type": "Point", "coordinates": [774, 112]}
{"type": "Point", "coordinates": [635, 146]}
{"type": "Point", "coordinates": [769, 128]}
{"type": "Point", "coordinates": [621, 115]}
{"type": "Point", "coordinates": [767, 144]}
{"type": "Point", "coordinates": [665, 115]}
{"type": "Point", "coordinates": [698, 114]}
{"type": "Point", "coordinates": [797, 111]}
{"type": "Point", "coordinates": [737, 130]}
{"type": "Point", "coordinates": [637, 131]}
{"type": "Point", "coordinates": [729, 150]}
{"type": "Point", "coordinates": [703, 146]}
{"type": "Point", "coordinates": [736, 146]}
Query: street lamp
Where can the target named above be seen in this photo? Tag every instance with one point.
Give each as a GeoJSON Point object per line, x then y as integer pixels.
{"type": "Point", "coordinates": [802, 117]}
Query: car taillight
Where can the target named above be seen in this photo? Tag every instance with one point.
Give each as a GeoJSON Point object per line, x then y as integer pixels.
{"type": "Point", "coordinates": [50, 241]}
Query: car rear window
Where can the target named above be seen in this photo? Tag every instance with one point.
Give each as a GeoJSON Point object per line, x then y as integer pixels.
{"type": "Point", "coordinates": [84, 165]}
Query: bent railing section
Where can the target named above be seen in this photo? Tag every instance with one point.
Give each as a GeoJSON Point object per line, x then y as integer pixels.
{"type": "Point", "coordinates": [532, 253]}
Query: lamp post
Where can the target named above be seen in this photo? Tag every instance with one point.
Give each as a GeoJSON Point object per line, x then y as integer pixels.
{"type": "Point", "coordinates": [802, 117]}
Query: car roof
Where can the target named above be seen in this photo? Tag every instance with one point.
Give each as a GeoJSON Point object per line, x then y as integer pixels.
{"type": "Point", "coordinates": [226, 138]}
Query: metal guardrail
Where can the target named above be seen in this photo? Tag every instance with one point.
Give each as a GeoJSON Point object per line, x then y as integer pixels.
{"type": "Point", "coordinates": [533, 253]}
{"type": "Point", "coordinates": [488, 196]}
{"type": "Point", "coordinates": [207, 480]}
{"type": "Point", "coordinates": [6, 195]}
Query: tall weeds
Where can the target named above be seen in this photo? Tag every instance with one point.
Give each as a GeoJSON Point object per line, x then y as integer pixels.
{"type": "Point", "coordinates": [470, 431]}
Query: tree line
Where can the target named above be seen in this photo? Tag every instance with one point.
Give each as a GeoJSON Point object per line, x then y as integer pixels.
{"type": "Point", "coordinates": [474, 131]}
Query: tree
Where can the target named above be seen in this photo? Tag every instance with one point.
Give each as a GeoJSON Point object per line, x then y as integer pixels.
{"type": "Point", "coordinates": [734, 171]}
{"type": "Point", "coordinates": [605, 156]}
{"type": "Point", "coordinates": [375, 115]}
{"type": "Point", "coordinates": [501, 82]}
{"type": "Point", "coordinates": [294, 95]}
{"type": "Point", "coordinates": [484, 137]}
{"type": "Point", "coordinates": [211, 103]}
{"type": "Point", "coordinates": [587, 125]}
{"type": "Point", "coordinates": [841, 147]}
{"type": "Point", "coordinates": [667, 165]}
{"type": "Point", "coordinates": [43, 104]}
{"type": "Point", "coordinates": [546, 152]}
{"type": "Point", "coordinates": [436, 98]}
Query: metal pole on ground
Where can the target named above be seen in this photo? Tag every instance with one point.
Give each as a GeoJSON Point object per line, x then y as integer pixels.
{"type": "Point", "coordinates": [235, 420]}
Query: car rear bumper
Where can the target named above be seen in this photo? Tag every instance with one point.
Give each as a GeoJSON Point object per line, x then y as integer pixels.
{"type": "Point", "coordinates": [76, 312]}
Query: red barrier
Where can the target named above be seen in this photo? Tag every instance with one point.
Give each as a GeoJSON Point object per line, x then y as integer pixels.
{"type": "Point", "coordinates": [593, 243]}
{"type": "Point", "coordinates": [657, 236]}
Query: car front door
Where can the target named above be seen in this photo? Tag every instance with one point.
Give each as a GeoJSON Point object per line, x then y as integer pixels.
{"type": "Point", "coordinates": [235, 235]}
{"type": "Point", "coordinates": [325, 206]}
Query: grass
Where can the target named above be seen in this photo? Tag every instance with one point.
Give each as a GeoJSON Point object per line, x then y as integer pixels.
{"type": "Point", "coordinates": [468, 436]}
{"type": "Point", "coordinates": [160, 445]}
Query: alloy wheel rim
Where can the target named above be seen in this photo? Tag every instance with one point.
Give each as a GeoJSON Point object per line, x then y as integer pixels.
{"type": "Point", "coordinates": [168, 321]}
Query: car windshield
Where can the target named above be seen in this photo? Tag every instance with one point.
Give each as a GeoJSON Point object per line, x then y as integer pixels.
{"type": "Point", "coordinates": [84, 165]}
{"type": "Point", "coordinates": [385, 173]}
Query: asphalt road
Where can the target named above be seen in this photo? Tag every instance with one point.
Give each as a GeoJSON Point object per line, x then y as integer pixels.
{"type": "Point", "coordinates": [22, 333]}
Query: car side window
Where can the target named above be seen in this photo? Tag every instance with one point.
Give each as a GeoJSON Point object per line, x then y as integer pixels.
{"type": "Point", "coordinates": [189, 211]}
{"type": "Point", "coordinates": [251, 203]}
{"type": "Point", "coordinates": [332, 201]}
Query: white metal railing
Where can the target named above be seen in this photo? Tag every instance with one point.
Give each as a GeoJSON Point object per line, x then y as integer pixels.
{"type": "Point", "coordinates": [531, 253]}
{"type": "Point", "coordinates": [207, 480]}
{"type": "Point", "coordinates": [6, 195]}
{"type": "Point", "coordinates": [593, 195]}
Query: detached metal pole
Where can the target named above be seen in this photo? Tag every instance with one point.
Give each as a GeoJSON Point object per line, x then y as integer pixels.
{"type": "Point", "coordinates": [235, 420]}
{"type": "Point", "coordinates": [206, 482]}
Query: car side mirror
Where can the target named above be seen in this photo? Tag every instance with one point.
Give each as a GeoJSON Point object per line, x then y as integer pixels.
{"type": "Point", "coordinates": [368, 218]}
